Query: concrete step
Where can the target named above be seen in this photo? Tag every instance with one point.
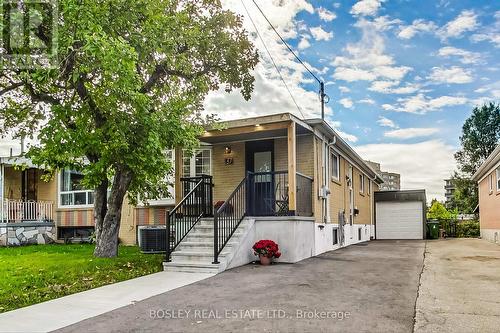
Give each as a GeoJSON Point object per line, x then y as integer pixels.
{"type": "Point", "coordinates": [201, 244]}
{"type": "Point", "coordinates": [195, 256]}
{"type": "Point", "coordinates": [191, 267]}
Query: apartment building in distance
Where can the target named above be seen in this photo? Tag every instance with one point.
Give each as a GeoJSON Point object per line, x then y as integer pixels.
{"type": "Point", "coordinates": [392, 180]}
{"type": "Point", "coordinates": [449, 191]}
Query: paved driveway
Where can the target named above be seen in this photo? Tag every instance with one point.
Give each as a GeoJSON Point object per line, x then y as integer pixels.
{"type": "Point", "coordinates": [460, 287]}
{"type": "Point", "coordinates": [370, 287]}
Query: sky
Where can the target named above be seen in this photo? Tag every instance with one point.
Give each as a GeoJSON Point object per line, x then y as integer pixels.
{"type": "Point", "coordinates": [401, 76]}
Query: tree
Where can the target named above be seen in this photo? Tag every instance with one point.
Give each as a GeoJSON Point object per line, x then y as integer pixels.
{"type": "Point", "coordinates": [130, 83]}
{"type": "Point", "coordinates": [438, 211]}
{"type": "Point", "coordinates": [480, 136]}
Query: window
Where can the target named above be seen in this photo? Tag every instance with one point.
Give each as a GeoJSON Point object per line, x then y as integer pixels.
{"type": "Point", "coordinates": [72, 192]}
{"type": "Point", "coordinates": [198, 164]}
{"type": "Point", "coordinates": [498, 179]}
{"type": "Point", "coordinates": [335, 166]}
{"type": "Point", "coordinates": [369, 187]}
{"type": "Point", "coordinates": [490, 183]}
{"type": "Point", "coordinates": [335, 236]}
{"type": "Point", "coordinates": [361, 183]}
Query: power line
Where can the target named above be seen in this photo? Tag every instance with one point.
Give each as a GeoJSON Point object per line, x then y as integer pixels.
{"type": "Point", "coordinates": [272, 60]}
{"type": "Point", "coordinates": [286, 44]}
{"type": "Point", "coordinates": [321, 83]}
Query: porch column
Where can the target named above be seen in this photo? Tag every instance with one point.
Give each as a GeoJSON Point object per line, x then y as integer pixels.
{"type": "Point", "coordinates": [178, 174]}
{"type": "Point", "coordinates": [2, 193]}
{"type": "Point", "coordinates": [292, 168]}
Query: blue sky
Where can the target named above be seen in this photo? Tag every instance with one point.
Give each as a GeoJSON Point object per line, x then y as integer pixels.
{"type": "Point", "coordinates": [402, 76]}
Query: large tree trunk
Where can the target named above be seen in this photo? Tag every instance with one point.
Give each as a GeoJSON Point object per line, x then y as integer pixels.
{"type": "Point", "coordinates": [107, 235]}
{"type": "Point", "coordinates": [100, 206]}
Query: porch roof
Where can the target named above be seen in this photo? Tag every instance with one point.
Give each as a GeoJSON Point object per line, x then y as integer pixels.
{"type": "Point", "coordinates": [257, 128]}
{"type": "Point", "coordinates": [17, 161]}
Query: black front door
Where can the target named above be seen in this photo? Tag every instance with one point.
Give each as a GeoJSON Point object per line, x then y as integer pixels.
{"type": "Point", "coordinates": [260, 165]}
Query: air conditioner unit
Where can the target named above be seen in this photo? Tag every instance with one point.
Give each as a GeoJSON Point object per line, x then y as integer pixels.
{"type": "Point", "coordinates": [152, 239]}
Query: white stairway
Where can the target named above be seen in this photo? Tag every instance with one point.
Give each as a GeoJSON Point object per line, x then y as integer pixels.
{"type": "Point", "coordinates": [196, 252]}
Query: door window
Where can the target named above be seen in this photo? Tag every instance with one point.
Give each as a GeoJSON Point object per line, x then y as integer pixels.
{"type": "Point", "coordinates": [262, 162]}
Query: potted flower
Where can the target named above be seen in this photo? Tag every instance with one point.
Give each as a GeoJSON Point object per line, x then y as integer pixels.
{"type": "Point", "coordinates": [266, 250]}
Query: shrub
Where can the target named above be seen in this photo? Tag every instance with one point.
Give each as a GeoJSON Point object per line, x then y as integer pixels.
{"type": "Point", "coordinates": [468, 229]}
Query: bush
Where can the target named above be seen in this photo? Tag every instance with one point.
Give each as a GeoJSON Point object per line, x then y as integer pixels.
{"type": "Point", "coordinates": [468, 229]}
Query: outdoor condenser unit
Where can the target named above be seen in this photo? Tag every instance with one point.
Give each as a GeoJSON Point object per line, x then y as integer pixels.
{"type": "Point", "coordinates": [152, 239]}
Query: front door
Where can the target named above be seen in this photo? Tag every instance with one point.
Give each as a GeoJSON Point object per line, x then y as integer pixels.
{"type": "Point", "coordinates": [351, 199]}
{"type": "Point", "coordinates": [260, 164]}
{"type": "Point", "coordinates": [29, 185]}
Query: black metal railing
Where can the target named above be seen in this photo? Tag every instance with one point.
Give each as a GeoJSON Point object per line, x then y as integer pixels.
{"type": "Point", "coordinates": [304, 195]}
{"type": "Point", "coordinates": [268, 194]}
{"type": "Point", "coordinates": [196, 204]}
{"type": "Point", "coordinates": [228, 217]}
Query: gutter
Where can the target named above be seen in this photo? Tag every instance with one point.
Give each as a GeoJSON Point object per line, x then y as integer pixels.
{"type": "Point", "coordinates": [488, 164]}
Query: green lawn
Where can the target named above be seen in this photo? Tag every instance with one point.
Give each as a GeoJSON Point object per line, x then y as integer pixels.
{"type": "Point", "coordinates": [38, 273]}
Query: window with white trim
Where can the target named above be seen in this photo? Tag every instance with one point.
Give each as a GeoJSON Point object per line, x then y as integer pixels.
{"type": "Point", "coordinates": [361, 183]}
{"type": "Point", "coordinates": [369, 187]}
{"type": "Point", "coordinates": [490, 183]}
{"type": "Point", "coordinates": [335, 162]}
{"type": "Point", "coordinates": [498, 179]}
{"type": "Point", "coordinates": [72, 193]}
{"type": "Point", "coordinates": [200, 163]}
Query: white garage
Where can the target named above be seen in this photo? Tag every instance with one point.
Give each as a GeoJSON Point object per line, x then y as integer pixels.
{"type": "Point", "coordinates": [400, 215]}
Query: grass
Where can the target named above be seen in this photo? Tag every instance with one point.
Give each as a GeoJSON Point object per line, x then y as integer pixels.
{"type": "Point", "coordinates": [38, 273]}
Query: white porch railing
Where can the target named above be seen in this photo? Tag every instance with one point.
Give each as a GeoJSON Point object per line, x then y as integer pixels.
{"type": "Point", "coordinates": [26, 211]}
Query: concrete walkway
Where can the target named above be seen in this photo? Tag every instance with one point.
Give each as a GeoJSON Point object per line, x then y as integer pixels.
{"type": "Point", "coordinates": [369, 287]}
{"type": "Point", "coordinates": [61, 312]}
{"type": "Point", "coordinates": [460, 287]}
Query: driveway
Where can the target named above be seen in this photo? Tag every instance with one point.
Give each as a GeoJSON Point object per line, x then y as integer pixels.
{"type": "Point", "coordinates": [370, 287]}
{"type": "Point", "coordinates": [460, 287]}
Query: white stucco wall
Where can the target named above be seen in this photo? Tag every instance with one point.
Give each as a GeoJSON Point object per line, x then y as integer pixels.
{"type": "Point", "coordinates": [491, 235]}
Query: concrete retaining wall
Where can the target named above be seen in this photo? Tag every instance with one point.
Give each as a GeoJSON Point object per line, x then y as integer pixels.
{"type": "Point", "coordinates": [25, 233]}
{"type": "Point", "coordinates": [491, 235]}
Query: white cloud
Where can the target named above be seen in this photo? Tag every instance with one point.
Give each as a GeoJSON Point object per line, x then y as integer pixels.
{"type": "Point", "coordinates": [346, 136]}
{"type": "Point", "coordinates": [303, 44]}
{"type": "Point", "coordinates": [420, 104]}
{"type": "Point", "coordinates": [366, 7]}
{"type": "Point", "coordinates": [386, 122]}
{"type": "Point", "coordinates": [326, 15]}
{"type": "Point", "coordinates": [411, 160]}
{"type": "Point", "coordinates": [466, 21]}
{"type": "Point", "coordinates": [344, 89]}
{"type": "Point", "coordinates": [8, 143]}
{"type": "Point", "coordinates": [418, 26]}
{"type": "Point", "coordinates": [319, 34]}
{"type": "Point", "coordinates": [353, 74]}
{"type": "Point", "coordinates": [347, 103]}
{"type": "Point", "coordinates": [453, 74]}
{"type": "Point", "coordinates": [367, 101]}
{"type": "Point", "coordinates": [389, 87]}
{"type": "Point", "coordinates": [466, 57]}
{"type": "Point", "coordinates": [366, 60]}
{"type": "Point", "coordinates": [490, 34]}
{"type": "Point", "coordinates": [411, 133]}
{"type": "Point", "coordinates": [269, 95]}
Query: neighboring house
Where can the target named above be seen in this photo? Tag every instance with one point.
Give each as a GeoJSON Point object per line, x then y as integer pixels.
{"type": "Point", "coordinates": [303, 185]}
{"type": "Point", "coordinates": [392, 180]}
{"type": "Point", "coordinates": [449, 188]}
{"type": "Point", "coordinates": [488, 179]}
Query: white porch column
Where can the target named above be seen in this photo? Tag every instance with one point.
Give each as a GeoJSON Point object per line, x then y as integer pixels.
{"type": "Point", "coordinates": [2, 196]}
{"type": "Point", "coordinates": [292, 168]}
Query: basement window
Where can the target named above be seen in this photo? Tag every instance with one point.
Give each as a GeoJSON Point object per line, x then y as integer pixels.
{"type": "Point", "coordinates": [335, 235]}
{"type": "Point", "coordinates": [359, 233]}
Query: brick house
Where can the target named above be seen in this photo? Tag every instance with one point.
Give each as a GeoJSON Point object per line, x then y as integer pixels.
{"type": "Point", "coordinates": [488, 180]}
{"type": "Point", "coordinates": [280, 177]}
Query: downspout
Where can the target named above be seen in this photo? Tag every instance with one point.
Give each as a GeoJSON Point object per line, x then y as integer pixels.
{"type": "Point", "coordinates": [327, 177]}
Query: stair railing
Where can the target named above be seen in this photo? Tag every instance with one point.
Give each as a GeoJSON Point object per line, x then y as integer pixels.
{"type": "Point", "coordinates": [196, 204]}
{"type": "Point", "coordinates": [228, 217]}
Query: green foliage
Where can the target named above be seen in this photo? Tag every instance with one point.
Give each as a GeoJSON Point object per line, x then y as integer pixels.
{"type": "Point", "coordinates": [468, 229]}
{"type": "Point", "coordinates": [480, 136]}
{"type": "Point", "coordinates": [38, 273]}
{"type": "Point", "coordinates": [131, 82]}
{"type": "Point", "coordinates": [439, 212]}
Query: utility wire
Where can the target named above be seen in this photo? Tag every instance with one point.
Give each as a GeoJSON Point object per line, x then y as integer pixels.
{"type": "Point", "coordinates": [272, 59]}
{"type": "Point", "coordinates": [286, 44]}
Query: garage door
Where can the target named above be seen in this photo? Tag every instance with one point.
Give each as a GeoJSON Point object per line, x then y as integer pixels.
{"type": "Point", "coordinates": [399, 220]}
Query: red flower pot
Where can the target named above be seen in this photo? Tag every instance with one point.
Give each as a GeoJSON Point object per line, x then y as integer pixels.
{"type": "Point", "coordinates": [264, 260]}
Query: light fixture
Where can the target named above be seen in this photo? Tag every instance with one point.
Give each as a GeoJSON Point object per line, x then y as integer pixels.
{"type": "Point", "coordinates": [227, 150]}
{"type": "Point", "coordinates": [257, 125]}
